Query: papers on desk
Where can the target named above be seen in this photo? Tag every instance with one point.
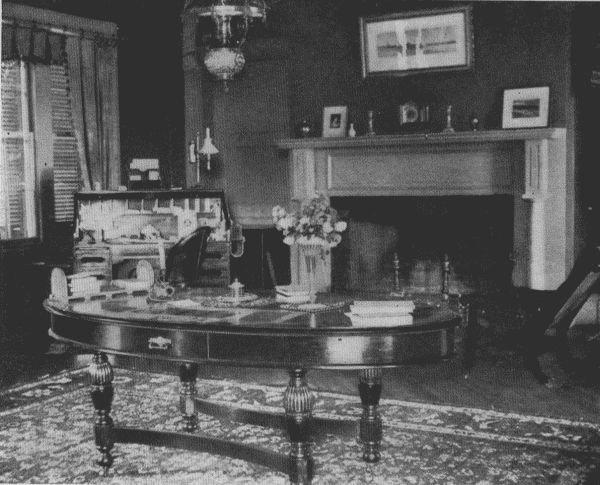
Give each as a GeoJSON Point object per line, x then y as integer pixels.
{"type": "Point", "coordinates": [384, 313]}
{"type": "Point", "coordinates": [186, 304]}
{"type": "Point", "coordinates": [291, 294]}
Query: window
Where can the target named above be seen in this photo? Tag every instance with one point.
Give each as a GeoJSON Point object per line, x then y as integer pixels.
{"type": "Point", "coordinates": [60, 118]}
{"type": "Point", "coordinates": [18, 217]}
{"type": "Point", "coordinates": [19, 173]}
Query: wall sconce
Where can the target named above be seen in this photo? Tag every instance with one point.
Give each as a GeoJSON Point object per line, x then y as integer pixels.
{"type": "Point", "coordinates": [230, 21]}
{"type": "Point", "coordinates": [195, 152]}
{"type": "Point", "coordinates": [208, 148]}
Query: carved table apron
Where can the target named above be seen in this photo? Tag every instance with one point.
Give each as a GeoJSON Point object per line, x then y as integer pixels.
{"type": "Point", "coordinates": [296, 341]}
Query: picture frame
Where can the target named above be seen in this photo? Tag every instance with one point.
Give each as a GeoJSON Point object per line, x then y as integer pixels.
{"type": "Point", "coordinates": [335, 121]}
{"type": "Point", "coordinates": [525, 107]}
{"type": "Point", "coordinates": [416, 42]}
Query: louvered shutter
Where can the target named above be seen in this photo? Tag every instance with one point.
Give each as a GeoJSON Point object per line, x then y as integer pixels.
{"type": "Point", "coordinates": [66, 156]}
{"type": "Point", "coordinates": [17, 171]}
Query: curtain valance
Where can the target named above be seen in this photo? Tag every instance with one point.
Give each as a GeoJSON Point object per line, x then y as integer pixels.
{"type": "Point", "coordinates": [41, 43]}
{"type": "Point", "coordinates": [32, 43]}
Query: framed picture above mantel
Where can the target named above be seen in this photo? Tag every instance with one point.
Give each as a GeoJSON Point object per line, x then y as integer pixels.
{"type": "Point", "coordinates": [416, 42]}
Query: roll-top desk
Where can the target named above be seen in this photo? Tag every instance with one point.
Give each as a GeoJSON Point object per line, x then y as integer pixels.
{"type": "Point", "coordinates": [111, 230]}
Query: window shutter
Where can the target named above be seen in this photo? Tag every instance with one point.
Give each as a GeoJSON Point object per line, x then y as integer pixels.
{"type": "Point", "coordinates": [66, 156]}
{"type": "Point", "coordinates": [11, 97]}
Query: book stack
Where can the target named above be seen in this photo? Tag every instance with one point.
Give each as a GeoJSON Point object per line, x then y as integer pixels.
{"type": "Point", "coordinates": [81, 284]}
{"type": "Point", "coordinates": [381, 313]}
{"type": "Point", "coordinates": [292, 294]}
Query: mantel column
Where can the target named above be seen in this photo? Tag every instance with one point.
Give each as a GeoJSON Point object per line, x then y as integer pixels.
{"type": "Point", "coordinates": [536, 191]}
{"type": "Point", "coordinates": [545, 177]}
{"type": "Point", "coordinates": [302, 171]}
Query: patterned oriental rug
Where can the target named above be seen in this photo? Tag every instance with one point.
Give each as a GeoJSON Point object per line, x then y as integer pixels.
{"type": "Point", "coordinates": [46, 437]}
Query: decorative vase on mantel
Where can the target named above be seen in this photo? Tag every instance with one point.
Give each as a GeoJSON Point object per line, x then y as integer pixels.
{"type": "Point", "coordinates": [311, 251]}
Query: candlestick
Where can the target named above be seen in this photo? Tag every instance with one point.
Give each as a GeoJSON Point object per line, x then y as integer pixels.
{"type": "Point", "coordinates": [370, 123]}
{"type": "Point", "coordinates": [449, 128]}
{"type": "Point", "coordinates": [192, 152]}
{"type": "Point", "coordinates": [161, 255]}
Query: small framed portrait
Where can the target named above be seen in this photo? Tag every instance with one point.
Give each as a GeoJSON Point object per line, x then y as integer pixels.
{"type": "Point", "coordinates": [335, 121]}
{"type": "Point", "coordinates": [525, 107]}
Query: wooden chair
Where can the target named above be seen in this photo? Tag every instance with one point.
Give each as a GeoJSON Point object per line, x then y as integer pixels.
{"type": "Point", "coordinates": [557, 309]}
{"type": "Point", "coordinates": [185, 258]}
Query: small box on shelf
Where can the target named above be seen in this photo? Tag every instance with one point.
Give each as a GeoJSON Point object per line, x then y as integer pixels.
{"type": "Point", "coordinates": [144, 173]}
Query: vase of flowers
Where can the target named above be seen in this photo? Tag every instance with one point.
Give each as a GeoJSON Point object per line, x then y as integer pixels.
{"type": "Point", "coordinates": [316, 229]}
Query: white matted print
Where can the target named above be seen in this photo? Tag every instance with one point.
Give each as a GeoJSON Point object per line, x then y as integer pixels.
{"type": "Point", "coordinates": [525, 107]}
{"type": "Point", "coordinates": [408, 43]}
{"type": "Point", "coordinates": [335, 119]}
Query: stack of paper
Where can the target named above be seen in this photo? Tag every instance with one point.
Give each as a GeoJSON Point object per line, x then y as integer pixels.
{"type": "Point", "coordinates": [292, 294]}
{"type": "Point", "coordinates": [382, 313]}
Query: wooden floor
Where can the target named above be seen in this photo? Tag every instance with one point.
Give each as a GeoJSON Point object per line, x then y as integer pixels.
{"type": "Point", "coordinates": [497, 381]}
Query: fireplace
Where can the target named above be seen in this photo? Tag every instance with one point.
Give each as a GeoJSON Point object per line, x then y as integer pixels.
{"type": "Point", "coordinates": [455, 184]}
{"type": "Point", "coordinates": [470, 235]}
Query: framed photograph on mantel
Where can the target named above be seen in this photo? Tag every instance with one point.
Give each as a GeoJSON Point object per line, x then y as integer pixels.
{"type": "Point", "coordinates": [335, 119]}
{"type": "Point", "coordinates": [417, 42]}
{"type": "Point", "coordinates": [525, 107]}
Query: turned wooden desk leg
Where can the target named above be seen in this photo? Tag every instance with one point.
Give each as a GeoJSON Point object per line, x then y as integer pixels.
{"type": "Point", "coordinates": [187, 392]}
{"type": "Point", "coordinates": [470, 312]}
{"type": "Point", "coordinates": [101, 374]}
{"type": "Point", "coordinates": [369, 388]}
{"type": "Point", "coordinates": [298, 403]}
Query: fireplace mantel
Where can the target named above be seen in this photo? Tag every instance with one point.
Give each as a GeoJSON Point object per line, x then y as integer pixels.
{"type": "Point", "coordinates": [530, 164]}
{"type": "Point", "coordinates": [423, 138]}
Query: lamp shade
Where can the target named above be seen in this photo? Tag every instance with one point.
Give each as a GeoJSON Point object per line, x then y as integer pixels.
{"type": "Point", "coordinates": [252, 9]}
{"type": "Point", "coordinates": [224, 62]}
{"type": "Point", "coordinates": [225, 24]}
{"type": "Point", "coordinates": [208, 148]}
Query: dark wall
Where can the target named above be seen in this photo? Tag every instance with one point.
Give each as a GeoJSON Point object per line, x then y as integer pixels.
{"type": "Point", "coordinates": [151, 85]}
{"type": "Point", "coordinates": [516, 44]}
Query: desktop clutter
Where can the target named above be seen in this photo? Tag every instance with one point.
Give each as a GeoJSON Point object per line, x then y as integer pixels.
{"type": "Point", "coordinates": [175, 246]}
{"type": "Point", "coordinates": [149, 240]}
{"type": "Point", "coordinates": [362, 314]}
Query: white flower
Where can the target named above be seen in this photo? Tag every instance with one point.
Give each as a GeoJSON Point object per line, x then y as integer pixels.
{"type": "Point", "coordinates": [285, 222]}
{"type": "Point", "coordinates": [304, 220]}
{"type": "Point", "coordinates": [327, 227]}
{"type": "Point", "coordinates": [289, 240]}
{"type": "Point", "coordinates": [340, 226]}
{"type": "Point", "coordinates": [278, 212]}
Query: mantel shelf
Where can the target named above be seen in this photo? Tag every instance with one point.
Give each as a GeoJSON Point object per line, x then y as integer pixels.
{"type": "Point", "coordinates": [422, 139]}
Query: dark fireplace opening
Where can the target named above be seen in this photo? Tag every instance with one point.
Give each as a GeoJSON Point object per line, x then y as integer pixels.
{"type": "Point", "coordinates": [474, 232]}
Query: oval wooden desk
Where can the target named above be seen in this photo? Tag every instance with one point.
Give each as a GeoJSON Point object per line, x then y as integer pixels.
{"type": "Point", "coordinates": [266, 336]}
